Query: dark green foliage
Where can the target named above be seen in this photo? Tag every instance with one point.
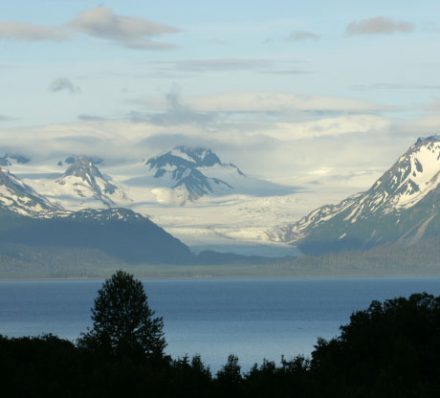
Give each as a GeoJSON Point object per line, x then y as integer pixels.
{"type": "Point", "coordinates": [389, 350]}
{"type": "Point", "coordinates": [189, 378]}
{"type": "Point", "coordinates": [39, 366]}
{"type": "Point", "coordinates": [291, 379]}
{"type": "Point", "coordinates": [123, 323]}
{"type": "Point", "coordinates": [229, 379]}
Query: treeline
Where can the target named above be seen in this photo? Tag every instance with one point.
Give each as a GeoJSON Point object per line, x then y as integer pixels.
{"type": "Point", "coordinates": [420, 258]}
{"type": "Point", "coordinates": [391, 349]}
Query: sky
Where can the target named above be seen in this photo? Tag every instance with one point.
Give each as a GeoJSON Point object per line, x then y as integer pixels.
{"type": "Point", "coordinates": [318, 91]}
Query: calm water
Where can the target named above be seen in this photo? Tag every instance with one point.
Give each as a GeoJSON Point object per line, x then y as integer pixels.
{"type": "Point", "coordinates": [254, 319]}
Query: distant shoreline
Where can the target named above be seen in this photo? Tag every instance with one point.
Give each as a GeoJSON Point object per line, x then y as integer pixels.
{"type": "Point", "coordinates": [295, 270]}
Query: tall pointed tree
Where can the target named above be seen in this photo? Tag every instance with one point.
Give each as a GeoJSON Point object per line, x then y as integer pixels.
{"type": "Point", "coordinates": [123, 322]}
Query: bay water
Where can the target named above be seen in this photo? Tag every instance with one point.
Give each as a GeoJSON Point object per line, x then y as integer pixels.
{"type": "Point", "coordinates": [252, 318]}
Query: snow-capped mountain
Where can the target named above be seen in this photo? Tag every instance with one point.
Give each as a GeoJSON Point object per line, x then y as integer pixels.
{"type": "Point", "coordinates": [191, 172]}
{"type": "Point", "coordinates": [21, 198]}
{"type": "Point", "coordinates": [186, 174]}
{"type": "Point", "coordinates": [235, 213]}
{"type": "Point", "coordinates": [83, 181]}
{"type": "Point", "coordinates": [402, 205]}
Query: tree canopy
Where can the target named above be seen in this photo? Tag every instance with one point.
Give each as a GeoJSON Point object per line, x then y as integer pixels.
{"type": "Point", "coordinates": [123, 320]}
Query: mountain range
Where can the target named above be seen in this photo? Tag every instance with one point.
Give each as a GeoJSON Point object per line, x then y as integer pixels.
{"type": "Point", "coordinates": [173, 189]}
{"type": "Point", "coordinates": [28, 219]}
{"type": "Point", "coordinates": [402, 206]}
{"type": "Point", "coordinates": [82, 208]}
{"type": "Point", "coordinates": [31, 223]}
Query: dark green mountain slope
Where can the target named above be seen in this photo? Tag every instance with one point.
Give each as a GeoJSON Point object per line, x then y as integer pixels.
{"type": "Point", "coordinates": [119, 233]}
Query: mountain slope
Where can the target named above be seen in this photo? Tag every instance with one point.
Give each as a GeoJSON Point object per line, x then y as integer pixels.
{"type": "Point", "coordinates": [402, 206]}
{"type": "Point", "coordinates": [119, 233]}
{"type": "Point", "coordinates": [185, 169]}
{"type": "Point", "coordinates": [187, 174]}
{"type": "Point", "coordinates": [21, 198]}
{"type": "Point", "coordinates": [83, 181]}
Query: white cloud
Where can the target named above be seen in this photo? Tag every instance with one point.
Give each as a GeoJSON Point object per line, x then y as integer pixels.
{"type": "Point", "coordinates": [176, 113]}
{"type": "Point", "coordinates": [131, 32]}
{"type": "Point", "coordinates": [323, 151]}
{"type": "Point", "coordinates": [276, 102]}
{"type": "Point", "coordinates": [117, 138]}
{"type": "Point", "coordinates": [301, 35]}
{"type": "Point", "coordinates": [322, 171]}
{"type": "Point", "coordinates": [378, 25]}
{"type": "Point", "coordinates": [101, 22]}
{"type": "Point", "coordinates": [220, 64]}
{"type": "Point", "coordinates": [30, 32]}
{"type": "Point", "coordinates": [335, 126]}
{"type": "Point", "coordinates": [176, 68]}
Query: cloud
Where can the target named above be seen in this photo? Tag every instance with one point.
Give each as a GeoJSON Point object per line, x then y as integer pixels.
{"type": "Point", "coordinates": [130, 32]}
{"type": "Point", "coordinates": [220, 64]}
{"type": "Point", "coordinates": [162, 142]}
{"type": "Point", "coordinates": [284, 150]}
{"type": "Point", "coordinates": [396, 86]}
{"type": "Point", "coordinates": [30, 32]}
{"type": "Point", "coordinates": [176, 113]}
{"type": "Point", "coordinates": [335, 126]}
{"type": "Point", "coordinates": [90, 118]}
{"type": "Point", "coordinates": [64, 84]}
{"type": "Point", "coordinates": [378, 25]}
{"type": "Point", "coordinates": [280, 102]}
{"type": "Point", "coordinates": [4, 118]}
{"type": "Point", "coordinates": [258, 65]}
{"type": "Point", "coordinates": [301, 35]}
{"type": "Point", "coordinates": [101, 22]}
{"type": "Point", "coordinates": [87, 140]}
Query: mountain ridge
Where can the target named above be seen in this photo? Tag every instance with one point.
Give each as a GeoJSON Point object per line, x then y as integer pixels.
{"type": "Point", "coordinates": [83, 179]}
{"type": "Point", "coordinates": [186, 168]}
{"type": "Point", "coordinates": [401, 206]}
{"type": "Point", "coordinates": [22, 198]}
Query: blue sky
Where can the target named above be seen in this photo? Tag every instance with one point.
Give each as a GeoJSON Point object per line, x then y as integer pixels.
{"type": "Point", "coordinates": [279, 75]}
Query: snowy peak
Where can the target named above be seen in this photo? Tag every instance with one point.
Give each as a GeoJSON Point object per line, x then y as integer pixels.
{"type": "Point", "coordinates": [21, 198]}
{"type": "Point", "coordinates": [183, 157]}
{"type": "Point", "coordinates": [402, 205]}
{"type": "Point", "coordinates": [83, 179]}
{"type": "Point", "coordinates": [413, 176]}
{"type": "Point", "coordinates": [193, 172]}
{"type": "Point", "coordinates": [84, 168]}
{"type": "Point", "coordinates": [196, 157]}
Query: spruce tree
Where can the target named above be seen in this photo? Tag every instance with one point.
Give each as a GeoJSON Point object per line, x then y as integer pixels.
{"type": "Point", "coordinates": [123, 322]}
